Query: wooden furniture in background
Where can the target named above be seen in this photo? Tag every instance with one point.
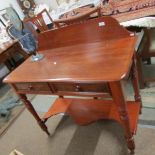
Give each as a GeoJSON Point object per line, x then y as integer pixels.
{"type": "Point", "coordinates": [39, 21]}
{"type": "Point", "coordinates": [148, 50]}
{"type": "Point", "coordinates": [90, 59]}
{"type": "Point", "coordinates": [7, 52]}
{"type": "Point", "coordinates": [145, 53]}
{"type": "Point", "coordinates": [78, 16]}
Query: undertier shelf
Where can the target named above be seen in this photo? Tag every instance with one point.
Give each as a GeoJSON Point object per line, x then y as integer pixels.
{"type": "Point", "coordinates": [85, 111]}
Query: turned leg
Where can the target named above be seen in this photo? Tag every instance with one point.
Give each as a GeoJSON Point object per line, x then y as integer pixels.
{"type": "Point", "coordinates": [34, 113]}
{"type": "Point", "coordinates": [135, 82]}
{"type": "Point", "coordinates": [119, 99]}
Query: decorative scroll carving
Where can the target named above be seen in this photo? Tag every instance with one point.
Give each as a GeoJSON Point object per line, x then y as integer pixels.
{"type": "Point", "coordinates": [120, 7]}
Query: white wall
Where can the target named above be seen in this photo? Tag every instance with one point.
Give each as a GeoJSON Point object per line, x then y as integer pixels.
{"type": "Point", "coordinates": [51, 3]}
{"type": "Point", "coordinates": [6, 3]}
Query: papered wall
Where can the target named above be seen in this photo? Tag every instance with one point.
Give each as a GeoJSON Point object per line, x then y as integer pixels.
{"type": "Point", "coordinates": [6, 3]}
{"type": "Point", "coordinates": [51, 3]}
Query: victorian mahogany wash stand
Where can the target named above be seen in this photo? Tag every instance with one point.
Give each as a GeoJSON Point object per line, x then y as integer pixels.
{"type": "Point", "coordinates": [88, 59]}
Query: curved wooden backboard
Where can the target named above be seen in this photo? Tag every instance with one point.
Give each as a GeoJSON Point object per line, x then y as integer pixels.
{"type": "Point", "coordinates": [104, 28]}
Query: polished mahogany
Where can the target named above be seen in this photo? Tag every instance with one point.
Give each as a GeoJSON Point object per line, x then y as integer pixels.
{"type": "Point", "coordinates": [89, 59]}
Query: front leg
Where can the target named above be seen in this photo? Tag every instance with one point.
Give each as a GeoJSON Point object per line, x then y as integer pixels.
{"type": "Point", "coordinates": [33, 112]}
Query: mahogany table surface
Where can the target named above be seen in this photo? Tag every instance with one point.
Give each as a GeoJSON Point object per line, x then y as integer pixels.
{"type": "Point", "coordinates": [93, 62]}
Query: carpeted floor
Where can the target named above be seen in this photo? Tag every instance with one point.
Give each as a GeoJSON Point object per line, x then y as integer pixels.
{"type": "Point", "coordinates": [14, 107]}
{"type": "Point", "coordinates": [100, 138]}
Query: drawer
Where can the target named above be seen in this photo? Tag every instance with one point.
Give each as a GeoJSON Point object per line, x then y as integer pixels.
{"type": "Point", "coordinates": [33, 87]}
{"type": "Point", "coordinates": [80, 87]}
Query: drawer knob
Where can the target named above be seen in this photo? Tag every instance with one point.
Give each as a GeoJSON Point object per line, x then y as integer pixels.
{"type": "Point", "coordinates": [30, 87]}
{"type": "Point", "coordinates": [77, 88]}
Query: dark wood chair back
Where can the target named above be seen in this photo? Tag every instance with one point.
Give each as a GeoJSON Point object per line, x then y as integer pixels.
{"type": "Point", "coordinates": [39, 21]}
{"type": "Point", "coordinates": [94, 30]}
{"type": "Point", "coordinates": [77, 18]}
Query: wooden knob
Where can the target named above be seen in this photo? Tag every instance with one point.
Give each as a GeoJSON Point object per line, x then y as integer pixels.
{"type": "Point", "coordinates": [77, 88]}
{"type": "Point", "coordinates": [30, 87]}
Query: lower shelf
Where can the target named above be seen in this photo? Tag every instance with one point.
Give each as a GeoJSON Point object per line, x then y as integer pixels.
{"type": "Point", "coordinates": [85, 111]}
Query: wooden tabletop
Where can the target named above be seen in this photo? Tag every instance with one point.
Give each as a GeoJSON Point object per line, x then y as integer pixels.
{"type": "Point", "coordinates": [93, 62]}
{"type": "Point", "coordinates": [99, 50]}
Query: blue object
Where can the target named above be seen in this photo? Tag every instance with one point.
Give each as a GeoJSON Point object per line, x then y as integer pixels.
{"type": "Point", "coordinates": [25, 37]}
{"type": "Point", "coordinates": [7, 105]}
